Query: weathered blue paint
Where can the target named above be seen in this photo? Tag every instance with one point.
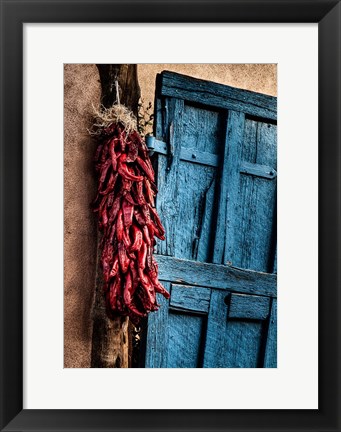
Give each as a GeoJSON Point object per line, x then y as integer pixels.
{"type": "Point", "coordinates": [185, 334]}
{"type": "Point", "coordinates": [192, 299]}
{"type": "Point", "coordinates": [258, 170]}
{"type": "Point", "coordinates": [243, 347]}
{"type": "Point", "coordinates": [270, 358]}
{"type": "Point", "coordinates": [233, 147]}
{"type": "Point", "coordinates": [215, 158]}
{"type": "Point", "coordinates": [249, 307]}
{"type": "Point", "coordinates": [157, 347]}
{"type": "Point", "coordinates": [191, 155]}
{"type": "Point", "coordinates": [217, 276]}
{"type": "Point", "coordinates": [215, 353]}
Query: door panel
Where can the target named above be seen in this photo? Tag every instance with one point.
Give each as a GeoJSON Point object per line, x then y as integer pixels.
{"type": "Point", "coordinates": [243, 347]}
{"type": "Point", "coordinates": [251, 216]}
{"type": "Point", "coordinates": [190, 216]}
{"type": "Point", "coordinates": [185, 336]}
{"type": "Point", "coordinates": [187, 187]}
{"type": "Point", "coordinates": [216, 174]}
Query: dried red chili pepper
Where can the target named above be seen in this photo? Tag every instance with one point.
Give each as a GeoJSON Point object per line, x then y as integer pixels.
{"type": "Point", "coordinates": [137, 236]}
{"type": "Point", "coordinates": [146, 168]}
{"type": "Point", "coordinates": [128, 211]}
{"type": "Point", "coordinates": [123, 169]}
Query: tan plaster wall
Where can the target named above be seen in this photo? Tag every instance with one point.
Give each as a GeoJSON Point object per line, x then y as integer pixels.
{"type": "Point", "coordinates": [261, 78]}
{"type": "Point", "coordinates": [81, 89]}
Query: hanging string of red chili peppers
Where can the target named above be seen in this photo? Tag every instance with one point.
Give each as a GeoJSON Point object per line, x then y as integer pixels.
{"type": "Point", "coordinates": [127, 216]}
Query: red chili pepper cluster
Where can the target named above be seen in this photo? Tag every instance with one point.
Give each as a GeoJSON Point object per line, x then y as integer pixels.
{"type": "Point", "coordinates": [129, 222]}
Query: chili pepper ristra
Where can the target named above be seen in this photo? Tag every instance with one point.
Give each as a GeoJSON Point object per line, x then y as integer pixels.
{"type": "Point", "coordinates": [127, 217]}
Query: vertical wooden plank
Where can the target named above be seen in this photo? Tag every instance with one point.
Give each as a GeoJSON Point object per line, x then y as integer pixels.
{"type": "Point", "coordinates": [205, 247]}
{"type": "Point", "coordinates": [252, 231]}
{"type": "Point", "coordinates": [185, 187]}
{"type": "Point", "coordinates": [168, 179]}
{"type": "Point", "coordinates": [215, 353]}
{"type": "Point", "coordinates": [234, 143]}
{"type": "Point", "coordinates": [262, 231]}
{"type": "Point", "coordinates": [228, 186]}
{"type": "Point", "coordinates": [157, 334]}
{"type": "Point", "coordinates": [270, 358]}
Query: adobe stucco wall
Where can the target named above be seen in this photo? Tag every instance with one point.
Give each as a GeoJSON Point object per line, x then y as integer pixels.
{"type": "Point", "coordinates": [81, 89]}
{"type": "Point", "coordinates": [261, 78]}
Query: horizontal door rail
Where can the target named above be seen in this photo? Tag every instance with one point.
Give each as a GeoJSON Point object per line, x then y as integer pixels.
{"type": "Point", "coordinates": [209, 159]}
{"type": "Point", "coordinates": [203, 158]}
{"type": "Point", "coordinates": [218, 276]}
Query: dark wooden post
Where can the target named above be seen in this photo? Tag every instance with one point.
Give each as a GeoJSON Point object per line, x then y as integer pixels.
{"type": "Point", "coordinates": [110, 341]}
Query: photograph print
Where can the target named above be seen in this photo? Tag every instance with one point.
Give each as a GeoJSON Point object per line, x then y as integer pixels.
{"type": "Point", "coordinates": [170, 215]}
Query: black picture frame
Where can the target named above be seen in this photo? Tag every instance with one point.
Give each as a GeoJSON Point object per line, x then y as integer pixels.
{"type": "Point", "coordinates": [13, 14]}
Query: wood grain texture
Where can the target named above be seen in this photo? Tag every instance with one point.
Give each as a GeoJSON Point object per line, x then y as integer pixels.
{"type": "Point", "coordinates": [199, 157]}
{"type": "Point", "coordinates": [157, 334]}
{"type": "Point", "coordinates": [186, 189]}
{"type": "Point", "coordinates": [243, 344]}
{"type": "Point", "coordinates": [270, 358]}
{"type": "Point", "coordinates": [194, 183]}
{"type": "Point", "coordinates": [215, 354]}
{"type": "Point", "coordinates": [228, 198]}
{"type": "Point", "coordinates": [249, 307]}
{"type": "Point", "coordinates": [189, 155]}
{"type": "Point", "coordinates": [129, 90]}
{"type": "Point", "coordinates": [203, 129]}
{"type": "Point", "coordinates": [168, 177]}
{"type": "Point", "coordinates": [251, 217]}
{"type": "Point", "coordinates": [184, 339]}
{"type": "Point", "coordinates": [216, 276]}
{"type": "Point", "coordinates": [158, 124]}
{"type": "Point", "coordinates": [183, 220]}
{"type": "Point", "coordinates": [218, 95]}
{"type": "Point", "coordinates": [205, 243]}
{"type": "Point", "coordinates": [196, 299]}
{"type": "Point", "coordinates": [258, 170]}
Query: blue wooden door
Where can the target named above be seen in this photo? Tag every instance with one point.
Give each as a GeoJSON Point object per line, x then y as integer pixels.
{"type": "Point", "coordinates": [215, 158]}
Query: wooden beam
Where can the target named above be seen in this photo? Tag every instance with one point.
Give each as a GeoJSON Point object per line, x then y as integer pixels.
{"type": "Point", "coordinates": [110, 340]}
{"type": "Point", "coordinates": [216, 276]}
